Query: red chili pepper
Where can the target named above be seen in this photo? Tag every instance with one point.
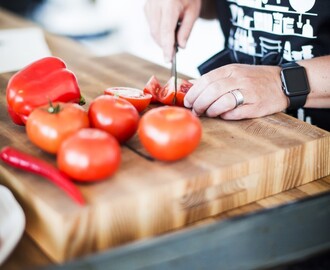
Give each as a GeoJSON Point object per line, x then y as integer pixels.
{"type": "Point", "coordinates": [44, 80]}
{"type": "Point", "coordinates": [35, 165]}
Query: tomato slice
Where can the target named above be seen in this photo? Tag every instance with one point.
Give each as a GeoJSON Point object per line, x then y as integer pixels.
{"type": "Point", "coordinates": [153, 87]}
{"type": "Point", "coordinates": [167, 93]}
{"type": "Point", "coordinates": [138, 98]}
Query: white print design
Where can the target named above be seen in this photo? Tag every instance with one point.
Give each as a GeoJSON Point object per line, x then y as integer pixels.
{"type": "Point", "coordinates": [301, 116]}
{"type": "Point", "coordinates": [301, 7]}
{"type": "Point", "coordinates": [275, 18]}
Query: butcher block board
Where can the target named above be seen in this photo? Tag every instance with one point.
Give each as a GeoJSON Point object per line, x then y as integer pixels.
{"type": "Point", "coordinates": [237, 162]}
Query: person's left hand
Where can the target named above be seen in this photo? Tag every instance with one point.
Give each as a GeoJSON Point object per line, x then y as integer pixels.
{"type": "Point", "coordinates": [260, 86]}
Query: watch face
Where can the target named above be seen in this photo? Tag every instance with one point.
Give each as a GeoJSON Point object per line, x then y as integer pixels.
{"type": "Point", "coordinates": [295, 81]}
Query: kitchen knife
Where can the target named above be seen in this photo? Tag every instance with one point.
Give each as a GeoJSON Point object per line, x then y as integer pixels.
{"type": "Point", "coordinates": [174, 70]}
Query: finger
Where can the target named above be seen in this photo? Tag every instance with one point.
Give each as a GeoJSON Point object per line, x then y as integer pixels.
{"type": "Point", "coordinates": [241, 112]}
{"type": "Point", "coordinates": [153, 16]}
{"type": "Point", "coordinates": [167, 32]}
{"type": "Point", "coordinates": [196, 89]}
{"type": "Point", "coordinates": [213, 92]}
{"type": "Point", "coordinates": [251, 108]}
{"type": "Point", "coordinates": [225, 103]}
{"type": "Point", "coordinates": [187, 24]}
{"type": "Point", "coordinates": [207, 97]}
{"type": "Point", "coordinates": [204, 81]}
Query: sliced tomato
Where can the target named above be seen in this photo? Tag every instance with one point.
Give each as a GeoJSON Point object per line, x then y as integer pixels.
{"type": "Point", "coordinates": [139, 99]}
{"type": "Point", "coordinates": [167, 93]}
{"type": "Point", "coordinates": [153, 87]}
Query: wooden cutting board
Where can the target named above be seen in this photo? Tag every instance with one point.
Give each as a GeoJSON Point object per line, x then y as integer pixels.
{"type": "Point", "coordinates": [237, 162]}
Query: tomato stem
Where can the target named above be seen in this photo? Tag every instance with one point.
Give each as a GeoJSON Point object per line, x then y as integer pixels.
{"type": "Point", "coordinates": [82, 101]}
{"type": "Point", "coordinates": [53, 109]}
{"type": "Point", "coordinates": [35, 165]}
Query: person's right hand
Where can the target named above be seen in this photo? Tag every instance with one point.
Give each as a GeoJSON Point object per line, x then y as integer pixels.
{"type": "Point", "coordinates": [163, 16]}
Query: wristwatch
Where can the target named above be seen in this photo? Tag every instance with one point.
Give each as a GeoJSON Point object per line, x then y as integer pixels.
{"type": "Point", "coordinates": [295, 84]}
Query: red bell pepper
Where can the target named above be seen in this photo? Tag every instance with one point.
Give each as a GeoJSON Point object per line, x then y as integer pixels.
{"type": "Point", "coordinates": [45, 80]}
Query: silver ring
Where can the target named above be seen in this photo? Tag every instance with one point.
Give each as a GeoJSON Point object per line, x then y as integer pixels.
{"type": "Point", "coordinates": [238, 97]}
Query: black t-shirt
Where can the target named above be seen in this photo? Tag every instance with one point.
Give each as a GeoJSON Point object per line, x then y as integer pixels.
{"type": "Point", "coordinates": [272, 32]}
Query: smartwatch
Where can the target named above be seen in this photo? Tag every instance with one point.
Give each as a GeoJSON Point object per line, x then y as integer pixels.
{"type": "Point", "coordinates": [295, 84]}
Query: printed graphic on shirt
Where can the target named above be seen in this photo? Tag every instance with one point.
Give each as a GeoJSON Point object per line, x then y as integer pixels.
{"type": "Point", "coordinates": [264, 29]}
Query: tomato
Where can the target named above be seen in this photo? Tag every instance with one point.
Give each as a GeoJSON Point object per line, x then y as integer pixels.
{"type": "Point", "coordinates": [169, 133]}
{"type": "Point", "coordinates": [167, 93]}
{"type": "Point", "coordinates": [136, 97]}
{"type": "Point", "coordinates": [114, 115]}
{"type": "Point", "coordinates": [47, 126]}
{"type": "Point", "coordinates": [89, 155]}
{"type": "Point", "coordinates": [152, 87]}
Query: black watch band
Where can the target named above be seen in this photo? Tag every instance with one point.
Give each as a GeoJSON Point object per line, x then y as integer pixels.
{"type": "Point", "coordinates": [295, 84]}
{"type": "Point", "coordinates": [297, 102]}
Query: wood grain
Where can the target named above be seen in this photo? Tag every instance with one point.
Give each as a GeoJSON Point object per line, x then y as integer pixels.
{"type": "Point", "coordinates": [21, 259]}
{"type": "Point", "coordinates": [237, 162]}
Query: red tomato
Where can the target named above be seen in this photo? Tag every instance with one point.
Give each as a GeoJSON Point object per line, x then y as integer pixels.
{"type": "Point", "coordinates": [89, 155]}
{"type": "Point", "coordinates": [152, 87]}
{"type": "Point", "coordinates": [167, 93]}
{"type": "Point", "coordinates": [136, 97]}
{"type": "Point", "coordinates": [47, 126]}
{"type": "Point", "coordinates": [169, 133]}
{"type": "Point", "coordinates": [114, 115]}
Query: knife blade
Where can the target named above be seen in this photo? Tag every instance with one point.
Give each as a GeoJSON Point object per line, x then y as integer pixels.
{"type": "Point", "coordinates": [174, 72]}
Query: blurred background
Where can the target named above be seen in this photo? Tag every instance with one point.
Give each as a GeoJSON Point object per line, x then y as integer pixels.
{"type": "Point", "coordinates": [111, 26]}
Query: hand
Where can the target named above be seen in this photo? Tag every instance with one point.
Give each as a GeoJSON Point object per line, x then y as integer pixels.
{"type": "Point", "coordinates": [163, 16]}
{"type": "Point", "coordinates": [260, 86]}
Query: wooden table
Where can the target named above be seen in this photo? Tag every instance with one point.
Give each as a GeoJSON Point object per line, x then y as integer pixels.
{"type": "Point", "coordinates": [224, 196]}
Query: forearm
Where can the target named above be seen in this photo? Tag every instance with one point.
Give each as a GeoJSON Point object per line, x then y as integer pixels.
{"type": "Point", "coordinates": [318, 73]}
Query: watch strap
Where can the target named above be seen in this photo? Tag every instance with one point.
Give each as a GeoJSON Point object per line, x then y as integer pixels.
{"type": "Point", "coordinates": [290, 64]}
{"type": "Point", "coordinates": [297, 102]}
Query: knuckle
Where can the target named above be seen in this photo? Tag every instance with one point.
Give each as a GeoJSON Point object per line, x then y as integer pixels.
{"type": "Point", "coordinates": [212, 112]}
{"type": "Point", "coordinates": [199, 108]}
{"type": "Point", "coordinates": [232, 115]}
{"type": "Point", "coordinates": [214, 90]}
{"type": "Point", "coordinates": [232, 70]}
{"type": "Point", "coordinates": [206, 79]}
